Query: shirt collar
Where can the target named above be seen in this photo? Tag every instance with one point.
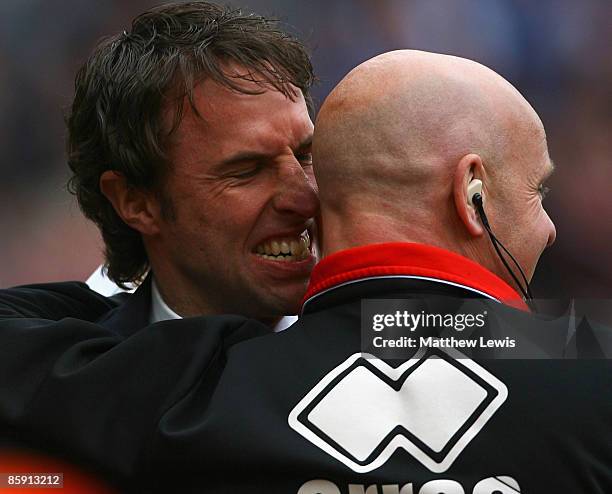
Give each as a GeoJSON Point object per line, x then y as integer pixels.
{"type": "Point", "coordinates": [409, 259]}
{"type": "Point", "coordinates": [159, 309]}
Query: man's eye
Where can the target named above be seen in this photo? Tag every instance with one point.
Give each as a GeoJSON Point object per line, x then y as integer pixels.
{"type": "Point", "coordinates": [251, 172]}
{"type": "Point", "coordinates": [543, 190]}
{"type": "Point", "coordinates": [304, 158]}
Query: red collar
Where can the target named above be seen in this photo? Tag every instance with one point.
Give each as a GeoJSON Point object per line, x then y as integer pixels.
{"type": "Point", "coordinates": [409, 259]}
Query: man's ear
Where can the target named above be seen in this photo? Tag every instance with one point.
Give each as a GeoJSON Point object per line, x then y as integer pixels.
{"type": "Point", "coordinates": [137, 207]}
{"type": "Point", "coordinates": [468, 168]}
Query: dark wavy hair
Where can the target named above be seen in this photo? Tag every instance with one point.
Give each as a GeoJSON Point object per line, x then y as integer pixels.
{"type": "Point", "coordinates": [115, 121]}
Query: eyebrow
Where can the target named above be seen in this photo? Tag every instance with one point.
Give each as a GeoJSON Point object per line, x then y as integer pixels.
{"type": "Point", "coordinates": [550, 170]}
{"type": "Point", "coordinates": [306, 143]}
{"type": "Point", "coordinates": [245, 156]}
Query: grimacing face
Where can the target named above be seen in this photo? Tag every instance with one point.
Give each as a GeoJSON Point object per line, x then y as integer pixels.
{"type": "Point", "coordinates": [243, 197]}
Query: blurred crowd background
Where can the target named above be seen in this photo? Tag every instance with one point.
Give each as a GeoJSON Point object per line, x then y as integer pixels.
{"type": "Point", "coordinates": [558, 53]}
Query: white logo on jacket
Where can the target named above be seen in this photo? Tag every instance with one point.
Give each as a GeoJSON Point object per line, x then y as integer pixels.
{"type": "Point", "coordinates": [432, 406]}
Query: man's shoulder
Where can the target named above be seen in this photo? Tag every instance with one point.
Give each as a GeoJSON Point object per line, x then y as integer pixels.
{"type": "Point", "coordinates": [55, 301]}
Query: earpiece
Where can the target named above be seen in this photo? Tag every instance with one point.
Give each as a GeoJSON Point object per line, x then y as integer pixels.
{"type": "Point", "coordinates": [475, 199]}
{"type": "Point", "coordinates": [474, 187]}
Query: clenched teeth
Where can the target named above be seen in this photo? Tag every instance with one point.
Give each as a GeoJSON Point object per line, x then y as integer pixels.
{"type": "Point", "coordinates": [285, 249]}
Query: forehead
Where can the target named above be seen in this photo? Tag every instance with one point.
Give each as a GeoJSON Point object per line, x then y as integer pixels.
{"type": "Point", "coordinates": [230, 122]}
{"type": "Point", "coordinates": [543, 164]}
{"type": "Point", "coordinates": [527, 141]}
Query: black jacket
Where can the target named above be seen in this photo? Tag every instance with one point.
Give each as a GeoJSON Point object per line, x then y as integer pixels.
{"type": "Point", "coordinates": [85, 377]}
{"type": "Point", "coordinates": [219, 404]}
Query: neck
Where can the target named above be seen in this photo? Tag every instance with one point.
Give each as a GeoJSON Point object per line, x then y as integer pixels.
{"type": "Point", "coordinates": [188, 300]}
{"type": "Point", "coordinates": [345, 231]}
{"type": "Point", "coordinates": [182, 299]}
{"type": "Point", "coordinates": [367, 228]}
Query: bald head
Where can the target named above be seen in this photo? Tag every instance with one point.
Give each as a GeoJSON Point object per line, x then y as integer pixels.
{"type": "Point", "coordinates": [403, 132]}
{"type": "Point", "coordinates": [402, 118]}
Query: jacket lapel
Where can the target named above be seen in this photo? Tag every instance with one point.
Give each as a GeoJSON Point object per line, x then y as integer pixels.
{"type": "Point", "coordinates": [133, 312]}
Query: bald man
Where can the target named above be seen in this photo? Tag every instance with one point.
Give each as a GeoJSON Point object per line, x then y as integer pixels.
{"type": "Point", "coordinates": [399, 147]}
{"type": "Point", "coordinates": [319, 408]}
{"type": "Point", "coordinates": [401, 138]}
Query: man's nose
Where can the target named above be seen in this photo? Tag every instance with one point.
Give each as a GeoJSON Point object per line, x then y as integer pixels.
{"type": "Point", "coordinates": [296, 191]}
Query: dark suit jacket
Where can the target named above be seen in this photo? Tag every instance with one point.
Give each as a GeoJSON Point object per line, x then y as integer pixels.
{"type": "Point", "coordinates": [122, 314]}
{"type": "Point", "coordinates": [87, 378]}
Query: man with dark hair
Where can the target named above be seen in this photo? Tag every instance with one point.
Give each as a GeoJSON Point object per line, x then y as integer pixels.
{"type": "Point", "coordinates": [189, 142]}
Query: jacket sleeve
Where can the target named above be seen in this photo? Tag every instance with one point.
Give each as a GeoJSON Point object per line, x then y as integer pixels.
{"type": "Point", "coordinates": [84, 393]}
{"type": "Point", "coordinates": [54, 301]}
